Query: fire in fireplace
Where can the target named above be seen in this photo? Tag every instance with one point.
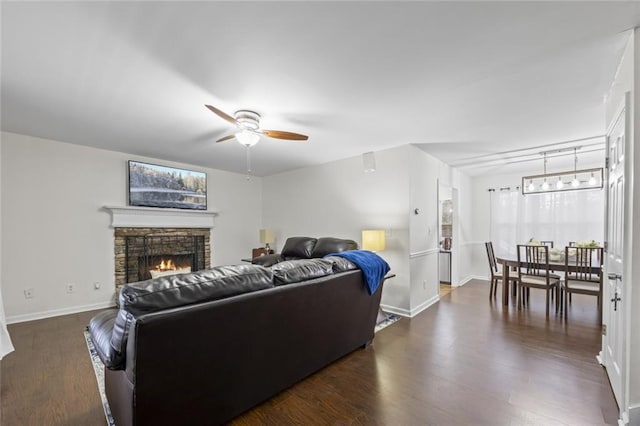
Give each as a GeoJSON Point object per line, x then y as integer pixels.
{"type": "Point", "coordinates": [167, 265]}
{"type": "Point", "coordinates": [152, 256]}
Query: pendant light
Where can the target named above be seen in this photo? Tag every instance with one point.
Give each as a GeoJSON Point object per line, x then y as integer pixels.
{"type": "Point", "coordinates": [575, 182]}
{"type": "Point", "coordinates": [559, 181]}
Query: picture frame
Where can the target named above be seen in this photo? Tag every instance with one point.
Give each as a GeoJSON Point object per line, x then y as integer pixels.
{"type": "Point", "coordinates": [152, 185]}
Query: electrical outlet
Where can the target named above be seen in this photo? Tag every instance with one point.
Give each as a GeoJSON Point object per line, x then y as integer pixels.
{"type": "Point", "coordinates": [96, 285]}
{"type": "Point", "coordinates": [70, 287]}
{"type": "Point", "coordinates": [28, 293]}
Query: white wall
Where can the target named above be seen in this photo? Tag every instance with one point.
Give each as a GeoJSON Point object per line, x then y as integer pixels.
{"type": "Point", "coordinates": [424, 245]}
{"type": "Point", "coordinates": [467, 245]}
{"type": "Point", "coordinates": [54, 231]}
{"type": "Point", "coordinates": [339, 199]}
{"type": "Point", "coordinates": [53, 194]}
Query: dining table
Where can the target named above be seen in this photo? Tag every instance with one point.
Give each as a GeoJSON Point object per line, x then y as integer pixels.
{"type": "Point", "coordinates": [510, 264]}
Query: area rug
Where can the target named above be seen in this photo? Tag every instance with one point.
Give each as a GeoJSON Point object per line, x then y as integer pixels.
{"type": "Point", "coordinates": [98, 367]}
{"type": "Point", "coordinates": [390, 319]}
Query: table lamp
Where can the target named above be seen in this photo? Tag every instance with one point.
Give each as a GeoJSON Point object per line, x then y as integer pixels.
{"type": "Point", "coordinates": [373, 239]}
{"type": "Point", "coordinates": [267, 236]}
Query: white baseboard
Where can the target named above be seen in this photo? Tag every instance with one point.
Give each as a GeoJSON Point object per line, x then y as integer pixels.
{"type": "Point", "coordinates": [393, 310]}
{"type": "Point", "coordinates": [58, 312]}
{"type": "Point", "coordinates": [410, 313]}
{"type": "Point", "coordinates": [469, 278]}
{"type": "Point", "coordinates": [424, 305]}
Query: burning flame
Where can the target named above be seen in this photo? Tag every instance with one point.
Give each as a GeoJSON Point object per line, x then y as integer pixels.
{"type": "Point", "coordinates": [167, 265]}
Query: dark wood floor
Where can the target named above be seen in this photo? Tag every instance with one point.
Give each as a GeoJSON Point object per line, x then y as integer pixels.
{"type": "Point", "coordinates": [462, 361]}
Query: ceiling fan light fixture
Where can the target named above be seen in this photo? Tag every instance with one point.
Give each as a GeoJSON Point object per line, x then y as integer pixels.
{"type": "Point", "coordinates": [247, 138]}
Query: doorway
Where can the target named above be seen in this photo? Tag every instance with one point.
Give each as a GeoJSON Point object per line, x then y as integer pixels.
{"type": "Point", "coordinates": [445, 238]}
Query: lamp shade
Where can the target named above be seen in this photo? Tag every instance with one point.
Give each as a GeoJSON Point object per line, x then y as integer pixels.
{"type": "Point", "coordinates": [373, 239]}
{"type": "Point", "coordinates": [267, 236]}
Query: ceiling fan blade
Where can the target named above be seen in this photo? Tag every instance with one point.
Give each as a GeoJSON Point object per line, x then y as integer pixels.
{"type": "Point", "coordinates": [226, 138]}
{"type": "Point", "coordinates": [279, 134]}
{"type": "Point", "coordinates": [223, 115]}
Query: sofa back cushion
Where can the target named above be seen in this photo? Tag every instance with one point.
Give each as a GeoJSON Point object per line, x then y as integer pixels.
{"type": "Point", "coordinates": [197, 287]}
{"type": "Point", "coordinates": [292, 271]}
{"type": "Point", "coordinates": [328, 245]}
{"type": "Point", "coordinates": [298, 247]}
{"type": "Point", "coordinates": [184, 289]}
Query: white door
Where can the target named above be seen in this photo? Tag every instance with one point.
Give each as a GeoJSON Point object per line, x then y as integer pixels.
{"type": "Point", "coordinates": [614, 289]}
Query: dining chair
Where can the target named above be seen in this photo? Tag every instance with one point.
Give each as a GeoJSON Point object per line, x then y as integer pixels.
{"type": "Point", "coordinates": [534, 273]}
{"type": "Point", "coordinates": [583, 274]}
{"type": "Point", "coordinates": [547, 243]}
{"type": "Point", "coordinates": [496, 271]}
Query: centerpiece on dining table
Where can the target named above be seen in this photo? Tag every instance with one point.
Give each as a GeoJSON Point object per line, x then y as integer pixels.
{"type": "Point", "coordinates": [557, 254]}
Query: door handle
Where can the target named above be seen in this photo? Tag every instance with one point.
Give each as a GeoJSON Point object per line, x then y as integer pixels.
{"type": "Point", "coordinates": [614, 276]}
{"type": "Point", "coordinates": [615, 301]}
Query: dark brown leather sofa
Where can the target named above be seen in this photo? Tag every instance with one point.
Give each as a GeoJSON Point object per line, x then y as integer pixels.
{"type": "Point", "coordinates": [202, 348]}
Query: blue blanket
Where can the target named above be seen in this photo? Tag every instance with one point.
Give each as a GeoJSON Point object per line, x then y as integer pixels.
{"type": "Point", "coordinates": [373, 267]}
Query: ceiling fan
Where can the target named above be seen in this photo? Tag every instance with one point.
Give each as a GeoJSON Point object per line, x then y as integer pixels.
{"type": "Point", "coordinates": [249, 124]}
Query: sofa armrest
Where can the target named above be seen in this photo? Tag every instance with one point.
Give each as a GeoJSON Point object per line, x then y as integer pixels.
{"type": "Point", "coordinates": [100, 329]}
{"type": "Point", "coordinates": [267, 260]}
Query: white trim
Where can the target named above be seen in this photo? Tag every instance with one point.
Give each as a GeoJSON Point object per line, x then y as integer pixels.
{"type": "Point", "coordinates": [150, 217]}
{"type": "Point", "coordinates": [476, 277]}
{"type": "Point", "coordinates": [413, 312]}
{"type": "Point", "coordinates": [469, 278]}
{"type": "Point", "coordinates": [422, 253]}
{"type": "Point", "coordinates": [58, 312]}
{"type": "Point", "coordinates": [424, 305]}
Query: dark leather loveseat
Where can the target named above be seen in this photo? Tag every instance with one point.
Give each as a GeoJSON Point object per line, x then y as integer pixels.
{"type": "Point", "coordinates": [306, 248]}
{"type": "Point", "coordinates": [202, 348]}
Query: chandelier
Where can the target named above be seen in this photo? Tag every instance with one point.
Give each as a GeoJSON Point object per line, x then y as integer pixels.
{"type": "Point", "coordinates": [573, 180]}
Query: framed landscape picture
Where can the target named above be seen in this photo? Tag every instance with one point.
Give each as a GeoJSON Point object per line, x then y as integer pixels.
{"type": "Point", "coordinates": [151, 185]}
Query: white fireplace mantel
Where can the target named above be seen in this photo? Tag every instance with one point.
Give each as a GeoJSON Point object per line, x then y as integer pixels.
{"type": "Point", "coordinates": [150, 217]}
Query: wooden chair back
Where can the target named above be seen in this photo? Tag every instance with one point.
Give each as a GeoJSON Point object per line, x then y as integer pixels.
{"type": "Point", "coordinates": [583, 263]}
{"type": "Point", "coordinates": [533, 260]}
{"type": "Point", "coordinates": [547, 243]}
{"type": "Point", "coordinates": [492, 258]}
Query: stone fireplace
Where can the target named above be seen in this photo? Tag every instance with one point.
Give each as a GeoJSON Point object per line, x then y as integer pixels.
{"type": "Point", "coordinates": [150, 242]}
{"type": "Point", "coordinates": [144, 253]}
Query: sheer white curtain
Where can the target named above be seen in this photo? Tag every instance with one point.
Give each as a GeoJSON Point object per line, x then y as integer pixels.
{"type": "Point", "coordinates": [505, 213]}
{"type": "Point", "coordinates": [5, 340]}
{"type": "Point", "coordinates": [560, 217]}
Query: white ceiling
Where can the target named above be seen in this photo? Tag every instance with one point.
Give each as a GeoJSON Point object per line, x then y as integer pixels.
{"type": "Point", "coordinates": [459, 79]}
